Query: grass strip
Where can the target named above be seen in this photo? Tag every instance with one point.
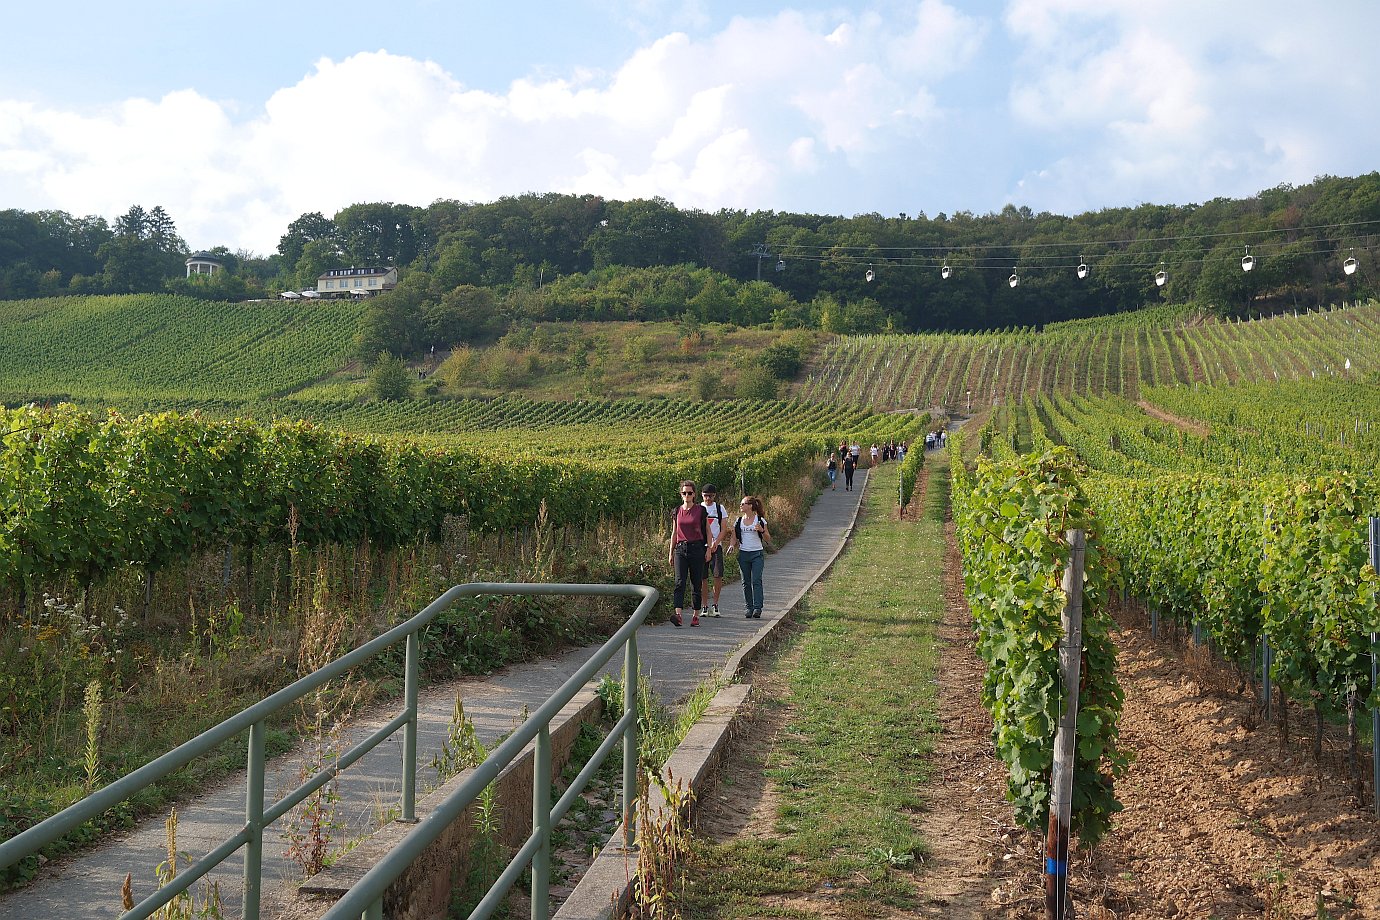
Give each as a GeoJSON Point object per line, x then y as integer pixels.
{"type": "Point", "coordinates": [851, 761]}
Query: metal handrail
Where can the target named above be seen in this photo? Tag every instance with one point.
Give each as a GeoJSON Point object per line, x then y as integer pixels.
{"type": "Point", "coordinates": [257, 818]}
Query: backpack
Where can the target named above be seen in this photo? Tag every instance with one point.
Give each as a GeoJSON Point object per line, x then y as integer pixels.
{"type": "Point", "coordinates": [718, 506]}
{"type": "Point", "coordinates": [738, 529]}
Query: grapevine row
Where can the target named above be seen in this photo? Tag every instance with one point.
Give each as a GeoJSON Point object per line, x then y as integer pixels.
{"type": "Point", "coordinates": [1113, 355]}
{"type": "Point", "coordinates": [82, 496]}
{"type": "Point", "coordinates": [1011, 518]}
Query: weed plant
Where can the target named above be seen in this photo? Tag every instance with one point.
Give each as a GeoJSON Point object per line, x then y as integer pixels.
{"type": "Point", "coordinates": [663, 836]}
{"type": "Point", "coordinates": [180, 649]}
{"type": "Point", "coordinates": [662, 832]}
{"type": "Point", "coordinates": [205, 646]}
{"type": "Point", "coordinates": [183, 906]}
{"type": "Point", "coordinates": [660, 729]}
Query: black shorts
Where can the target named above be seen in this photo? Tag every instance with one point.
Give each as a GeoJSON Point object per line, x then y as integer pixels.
{"type": "Point", "coordinates": [715, 565]}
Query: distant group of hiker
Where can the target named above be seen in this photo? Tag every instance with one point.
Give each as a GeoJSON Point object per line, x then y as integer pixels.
{"type": "Point", "coordinates": [699, 539]}
{"type": "Point", "coordinates": [849, 455]}
{"type": "Point", "coordinates": [700, 536]}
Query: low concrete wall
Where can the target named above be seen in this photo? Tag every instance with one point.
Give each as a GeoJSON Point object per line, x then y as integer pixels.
{"type": "Point", "coordinates": [423, 892]}
{"type": "Point", "coordinates": [606, 888]}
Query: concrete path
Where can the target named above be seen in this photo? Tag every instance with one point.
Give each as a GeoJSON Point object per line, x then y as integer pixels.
{"type": "Point", "coordinates": [679, 660]}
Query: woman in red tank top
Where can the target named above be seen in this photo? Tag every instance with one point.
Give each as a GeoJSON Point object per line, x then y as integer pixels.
{"type": "Point", "coordinates": [689, 552]}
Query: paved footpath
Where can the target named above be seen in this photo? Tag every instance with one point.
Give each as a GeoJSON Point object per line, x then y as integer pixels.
{"type": "Point", "coordinates": [678, 660]}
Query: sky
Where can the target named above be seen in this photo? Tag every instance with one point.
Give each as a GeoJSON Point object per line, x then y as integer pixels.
{"type": "Point", "coordinates": [237, 117]}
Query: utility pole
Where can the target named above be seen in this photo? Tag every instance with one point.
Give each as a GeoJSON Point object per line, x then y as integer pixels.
{"type": "Point", "coordinates": [760, 252]}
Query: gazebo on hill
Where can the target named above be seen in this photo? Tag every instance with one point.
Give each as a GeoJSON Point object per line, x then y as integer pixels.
{"type": "Point", "coordinates": [204, 263]}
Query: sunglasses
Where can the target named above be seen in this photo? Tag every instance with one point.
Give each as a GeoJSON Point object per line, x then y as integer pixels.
{"type": "Point", "coordinates": [686, 492]}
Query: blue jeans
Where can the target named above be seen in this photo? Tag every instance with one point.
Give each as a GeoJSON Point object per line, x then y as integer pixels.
{"type": "Point", "coordinates": [750, 564]}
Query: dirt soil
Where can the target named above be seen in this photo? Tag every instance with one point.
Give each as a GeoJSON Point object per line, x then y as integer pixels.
{"type": "Point", "coordinates": [1184, 424]}
{"type": "Point", "coordinates": [1222, 818]}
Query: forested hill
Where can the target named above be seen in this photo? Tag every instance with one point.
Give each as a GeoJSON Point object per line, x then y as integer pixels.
{"type": "Point", "coordinates": [476, 269]}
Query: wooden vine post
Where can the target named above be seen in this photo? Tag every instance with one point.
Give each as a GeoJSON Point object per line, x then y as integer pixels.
{"type": "Point", "coordinates": [1374, 679]}
{"type": "Point", "coordinates": [1058, 906]}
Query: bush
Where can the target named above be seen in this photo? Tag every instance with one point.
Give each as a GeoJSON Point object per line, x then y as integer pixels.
{"type": "Point", "coordinates": [640, 349]}
{"type": "Point", "coordinates": [458, 369]}
{"type": "Point", "coordinates": [705, 384]}
{"type": "Point", "coordinates": [782, 361]}
{"type": "Point", "coordinates": [390, 378]}
{"type": "Point", "coordinates": [756, 382]}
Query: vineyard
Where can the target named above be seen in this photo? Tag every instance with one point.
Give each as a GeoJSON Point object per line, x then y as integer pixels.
{"type": "Point", "coordinates": [1122, 355]}
{"type": "Point", "coordinates": [84, 496]}
{"type": "Point", "coordinates": [1221, 471]}
{"type": "Point", "coordinates": [110, 527]}
{"type": "Point", "coordinates": [1238, 514]}
{"type": "Point", "coordinates": [154, 344]}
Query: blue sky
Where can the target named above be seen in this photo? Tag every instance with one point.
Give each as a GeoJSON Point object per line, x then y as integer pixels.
{"type": "Point", "coordinates": [238, 117]}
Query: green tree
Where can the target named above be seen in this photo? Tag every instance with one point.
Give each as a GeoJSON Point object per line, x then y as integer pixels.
{"type": "Point", "coordinates": [378, 233]}
{"type": "Point", "coordinates": [865, 316]}
{"type": "Point", "coordinates": [831, 315]}
{"type": "Point", "coordinates": [782, 361]}
{"type": "Point", "coordinates": [131, 265]}
{"type": "Point", "coordinates": [464, 314]}
{"type": "Point", "coordinates": [389, 378]}
{"type": "Point", "coordinates": [305, 229]}
{"type": "Point", "coordinates": [144, 252]}
{"type": "Point", "coordinates": [1223, 284]}
{"type": "Point", "coordinates": [318, 257]}
{"type": "Point", "coordinates": [394, 321]}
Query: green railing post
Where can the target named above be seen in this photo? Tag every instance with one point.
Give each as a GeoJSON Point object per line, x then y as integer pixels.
{"type": "Point", "coordinates": [365, 899]}
{"type": "Point", "coordinates": [630, 743]}
{"type": "Point", "coordinates": [541, 824]}
{"type": "Point", "coordinates": [409, 756]}
{"type": "Point", "coordinates": [254, 821]}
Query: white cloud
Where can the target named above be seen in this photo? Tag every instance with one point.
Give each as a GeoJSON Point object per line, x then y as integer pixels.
{"type": "Point", "coordinates": [1178, 100]}
{"type": "Point", "coordinates": [723, 121]}
{"type": "Point", "coordinates": [942, 42]}
{"type": "Point", "coordinates": [702, 120]}
{"type": "Point", "coordinates": [801, 155]}
{"type": "Point", "coordinates": [909, 106]}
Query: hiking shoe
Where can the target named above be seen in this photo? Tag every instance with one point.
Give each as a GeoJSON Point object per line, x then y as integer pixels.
{"type": "Point", "coordinates": [757, 614]}
{"type": "Point", "coordinates": [675, 619]}
{"type": "Point", "coordinates": [747, 615]}
{"type": "Point", "coordinates": [713, 611]}
{"type": "Point", "coordinates": [694, 619]}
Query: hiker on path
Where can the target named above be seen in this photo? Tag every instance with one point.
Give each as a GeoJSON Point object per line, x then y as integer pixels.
{"type": "Point", "coordinates": [833, 471]}
{"type": "Point", "coordinates": [875, 454]}
{"type": "Point", "coordinates": [689, 551]}
{"type": "Point", "coordinates": [718, 534]}
{"type": "Point", "coordinates": [850, 463]}
{"type": "Point", "coordinates": [750, 536]}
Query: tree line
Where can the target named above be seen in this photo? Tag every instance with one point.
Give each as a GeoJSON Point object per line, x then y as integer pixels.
{"type": "Point", "coordinates": [471, 270]}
